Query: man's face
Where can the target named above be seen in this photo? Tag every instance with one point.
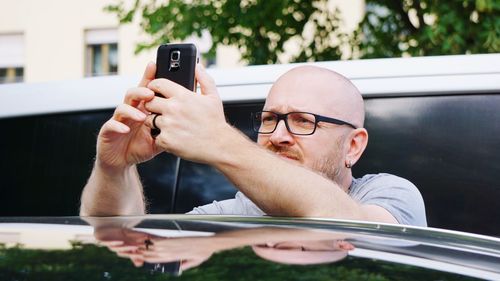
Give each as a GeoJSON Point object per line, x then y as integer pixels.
{"type": "Point", "coordinates": [324, 151]}
{"type": "Point", "coordinates": [304, 252]}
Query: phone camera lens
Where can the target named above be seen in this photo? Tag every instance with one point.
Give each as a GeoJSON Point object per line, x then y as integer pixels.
{"type": "Point", "coordinates": [175, 55]}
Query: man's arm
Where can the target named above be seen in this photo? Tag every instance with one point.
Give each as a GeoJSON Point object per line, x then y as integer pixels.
{"type": "Point", "coordinates": [114, 187]}
{"type": "Point", "coordinates": [194, 128]}
{"type": "Point", "coordinates": [285, 189]}
{"type": "Point", "coordinates": [113, 193]}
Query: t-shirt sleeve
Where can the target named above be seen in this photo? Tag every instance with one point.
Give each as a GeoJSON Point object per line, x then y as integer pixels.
{"type": "Point", "coordinates": [224, 207]}
{"type": "Point", "coordinates": [398, 196]}
{"type": "Point", "coordinates": [239, 205]}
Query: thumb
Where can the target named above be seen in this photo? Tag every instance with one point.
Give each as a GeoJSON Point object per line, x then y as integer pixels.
{"type": "Point", "coordinates": [207, 83]}
{"type": "Point", "coordinates": [149, 74]}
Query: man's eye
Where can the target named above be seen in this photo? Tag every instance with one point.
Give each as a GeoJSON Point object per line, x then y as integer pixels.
{"type": "Point", "coordinates": [268, 119]}
{"type": "Point", "coordinates": [303, 120]}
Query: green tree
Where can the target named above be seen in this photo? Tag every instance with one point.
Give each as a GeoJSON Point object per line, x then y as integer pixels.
{"type": "Point", "coordinates": [426, 27]}
{"type": "Point", "coordinates": [261, 28]}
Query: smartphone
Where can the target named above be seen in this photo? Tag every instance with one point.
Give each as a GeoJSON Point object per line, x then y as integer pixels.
{"type": "Point", "coordinates": [177, 63]}
{"type": "Point", "coordinates": [169, 268]}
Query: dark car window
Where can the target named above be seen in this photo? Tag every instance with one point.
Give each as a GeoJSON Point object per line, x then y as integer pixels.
{"type": "Point", "coordinates": [45, 161]}
{"type": "Point", "coordinates": [448, 146]}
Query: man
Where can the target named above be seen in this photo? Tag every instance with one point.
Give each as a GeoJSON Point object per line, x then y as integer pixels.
{"type": "Point", "coordinates": [281, 245]}
{"type": "Point", "coordinates": [310, 135]}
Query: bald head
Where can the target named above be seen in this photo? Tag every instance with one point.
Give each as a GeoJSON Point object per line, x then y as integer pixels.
{"type": "Point", "coordinates": [318, 90]}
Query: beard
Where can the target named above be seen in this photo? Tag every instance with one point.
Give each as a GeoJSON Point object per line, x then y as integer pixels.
{"type": "Point", "coordinates": [331, 166]}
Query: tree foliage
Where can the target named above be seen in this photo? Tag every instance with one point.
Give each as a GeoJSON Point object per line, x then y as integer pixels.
{"type": "Point", "coordinates": [426, 27]}
{"type": "Point", "coordinates": [261, 29]}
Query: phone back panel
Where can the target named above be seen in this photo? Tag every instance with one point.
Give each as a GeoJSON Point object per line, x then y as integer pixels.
{"type": "Point", "coordinates": [180, 71]}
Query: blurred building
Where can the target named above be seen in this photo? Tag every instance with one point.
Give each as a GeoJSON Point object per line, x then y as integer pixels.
{"type": "Point", "coordinates": [60, 39]}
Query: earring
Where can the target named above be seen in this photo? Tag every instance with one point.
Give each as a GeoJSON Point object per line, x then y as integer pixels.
{"type": "Point", "coordinates": [348, 165]}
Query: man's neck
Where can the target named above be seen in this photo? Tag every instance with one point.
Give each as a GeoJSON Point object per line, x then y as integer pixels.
{"type": "Point", "coordinates": [346, 182]}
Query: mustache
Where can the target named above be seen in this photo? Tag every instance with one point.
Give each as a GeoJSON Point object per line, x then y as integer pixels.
{"type": "Point", "coordinates": [283, 150]}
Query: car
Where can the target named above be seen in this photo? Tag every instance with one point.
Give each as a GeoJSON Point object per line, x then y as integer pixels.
{"type": "Point", "coordinates": [432, 120]}
{"type": "Point", "coordinates": [238, 248]}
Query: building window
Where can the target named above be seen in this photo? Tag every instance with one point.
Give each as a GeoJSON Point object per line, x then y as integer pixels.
{"type": "Point", "coordinates": [11, 75]}
{"type": "Point", "coordinates": [103, 59]}
{"type": "Point", "coordinates": [11, 58]}
{"type": "Point", "coordinates": [101, 52]}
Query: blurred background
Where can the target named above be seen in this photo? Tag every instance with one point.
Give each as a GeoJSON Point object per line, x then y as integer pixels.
{"type": "Point", "coordinates": [415, 108]}
{"type": "Point", "coordinates": [57, 39]}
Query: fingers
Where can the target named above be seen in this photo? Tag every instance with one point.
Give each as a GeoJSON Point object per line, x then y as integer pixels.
{"type": "Point", "coordinates": [126, 249]}
{"type": "Point", "coordinates": [111, 243]}
{"type": "Point", "coordinates": [167, 88]}
{"type": "Point", "coordinates": [113, 126]}
{"type": "Point", "coordinates": [122, 118]}
{"type": "Point", "coordinates": [127, 112]}
{"type": "Point", "coordinates": [155, 258]}
{"type": "Point", "coordinates": [130, 252]}
{"type": "Point", "coordinates": [148, 122]}
{"type": "Point", "coordinates": [136, 259]}
{"type": "Point", "coordinates": [134, 96]}
{"type": "Point", "coordinates": [158, 105]}
{"type": "Point", "coordinates": [149, 74]}
{"type": "Point", "coordinates": [138, 262]}
{"type": "Point", "coordinates": [188, 264]}
{"type": "Point", "coordinates": [131, 110]}
{"type": "Point", "coordinates": [207, 84]}
{"type": "Point", "coordinates": [170, 89]}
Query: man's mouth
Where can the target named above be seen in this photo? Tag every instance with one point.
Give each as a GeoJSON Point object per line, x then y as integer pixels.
{"type": "Point", "coordinates": [287, 156]}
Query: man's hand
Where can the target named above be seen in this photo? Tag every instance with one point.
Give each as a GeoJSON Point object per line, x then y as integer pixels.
{"type": "Point", "coordinates": [190, 124]}
{"type": "Point", "coordinates": [124, 140]}
{"type": "Point", "coordinates": [114, 187]}
{"type": "Point", "coordinates": [191, 251]}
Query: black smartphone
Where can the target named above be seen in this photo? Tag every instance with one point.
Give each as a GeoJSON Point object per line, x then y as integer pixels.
{"type": "Point", "coordinates": [177, 63]}
{"type": "Point", "coordinates": [169, 268]}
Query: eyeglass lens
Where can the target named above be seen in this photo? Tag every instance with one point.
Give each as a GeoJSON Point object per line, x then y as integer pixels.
{"type": "Point", "coordinates": [298, 122]}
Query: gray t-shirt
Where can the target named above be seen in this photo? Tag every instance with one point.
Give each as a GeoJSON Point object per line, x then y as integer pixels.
{"type": "Point", "coordinates": [397, 195]}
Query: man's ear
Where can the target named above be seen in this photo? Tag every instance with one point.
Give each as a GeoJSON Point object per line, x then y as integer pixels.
{"type": "Point", "coordinates": [357, 142]}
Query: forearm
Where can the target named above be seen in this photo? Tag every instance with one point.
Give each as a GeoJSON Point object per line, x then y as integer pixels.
{"type": "Point", "coordinates": [113, 193]}
{"type": "Point", "coordinates": [261, 235]}
{"type": "Point", "coordinates": [281, 188]}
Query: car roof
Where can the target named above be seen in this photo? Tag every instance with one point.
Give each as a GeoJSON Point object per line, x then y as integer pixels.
{"type": "Point", "coordinates": [442, 250]}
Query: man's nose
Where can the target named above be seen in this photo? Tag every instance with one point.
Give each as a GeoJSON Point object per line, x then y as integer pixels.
{"type": "Point", "coordinates": [281, 136]}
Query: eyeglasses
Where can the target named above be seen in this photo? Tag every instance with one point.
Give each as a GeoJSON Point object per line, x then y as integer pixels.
{"type": "Point", "coordinates": [297, 123]}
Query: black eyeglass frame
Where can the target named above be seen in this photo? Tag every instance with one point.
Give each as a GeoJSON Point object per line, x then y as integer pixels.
{"type": "Point", "coordinates": [317, 118]}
